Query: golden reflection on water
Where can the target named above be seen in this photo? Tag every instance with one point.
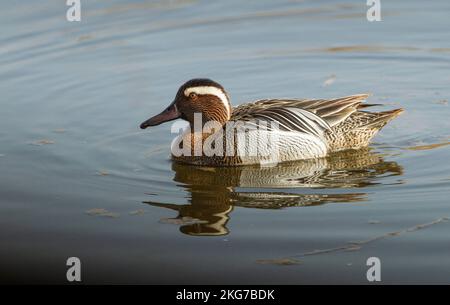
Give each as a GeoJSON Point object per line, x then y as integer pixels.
{"type": "Point", "coordinates": [214, 192]}
{"type": "Point", "coordinates": [428, 147]}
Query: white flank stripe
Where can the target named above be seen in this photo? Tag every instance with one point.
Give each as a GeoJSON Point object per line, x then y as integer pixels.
{"type": "Point", "coordinates": [213, 91]}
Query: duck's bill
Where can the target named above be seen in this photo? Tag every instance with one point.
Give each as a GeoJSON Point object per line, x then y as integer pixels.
{"type": "Point", "coordinates": [169, 114]}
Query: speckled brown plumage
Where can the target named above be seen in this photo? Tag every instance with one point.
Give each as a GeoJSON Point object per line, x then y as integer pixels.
{"type": "Point", "coordinates": [358, 129]}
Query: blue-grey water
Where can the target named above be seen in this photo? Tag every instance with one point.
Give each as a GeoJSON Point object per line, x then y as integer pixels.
{"type": "Point", "coordinates": [78, 177]}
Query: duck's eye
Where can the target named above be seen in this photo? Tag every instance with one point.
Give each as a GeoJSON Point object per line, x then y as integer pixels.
{"type": "Point", "coordinates": [193, 95]}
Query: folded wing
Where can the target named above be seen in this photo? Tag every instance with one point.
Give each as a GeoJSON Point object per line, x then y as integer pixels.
{"type": "Point", "coordinates": [308, 116]}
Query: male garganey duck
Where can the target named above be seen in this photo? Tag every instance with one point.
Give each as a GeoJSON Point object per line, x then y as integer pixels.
{"type": "Point", "coordinates": [265, 131]}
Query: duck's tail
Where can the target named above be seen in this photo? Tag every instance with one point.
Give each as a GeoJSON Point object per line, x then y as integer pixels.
{"type": "Point", "coordinates": [379, 119]}
{"type": "Point", "coordinates": [359, 128]}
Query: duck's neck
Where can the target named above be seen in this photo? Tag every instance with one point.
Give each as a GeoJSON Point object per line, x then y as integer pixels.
{"type": "Point", "coordinates": [221, 118]}
{"type": "Point", "coordinates": [211, 117]}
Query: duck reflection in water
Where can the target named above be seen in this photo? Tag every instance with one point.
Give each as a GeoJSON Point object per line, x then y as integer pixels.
{"type": "Point", "coordinates": [215, 191]}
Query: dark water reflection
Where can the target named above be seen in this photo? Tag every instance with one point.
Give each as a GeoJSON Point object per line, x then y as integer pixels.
{"type": "Point", "coordinates": [214, 192]}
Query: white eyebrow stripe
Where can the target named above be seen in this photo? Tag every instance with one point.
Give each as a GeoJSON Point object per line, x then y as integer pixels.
{"type": "Point", "coordinates": [213, 91]}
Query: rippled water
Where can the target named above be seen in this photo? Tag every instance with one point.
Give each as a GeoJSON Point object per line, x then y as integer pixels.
{"type": "Point", "coordinates": [78, 178]}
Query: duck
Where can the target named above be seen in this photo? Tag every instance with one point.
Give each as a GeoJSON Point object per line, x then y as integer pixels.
{"type": "Point", "coordinates": [266, 131]}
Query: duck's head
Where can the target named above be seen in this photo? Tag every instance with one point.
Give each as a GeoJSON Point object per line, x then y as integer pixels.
{"type": "Point", "coordinates": [198, 95]}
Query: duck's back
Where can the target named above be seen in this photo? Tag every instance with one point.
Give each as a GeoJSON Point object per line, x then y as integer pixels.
{"type": "Point", "coordinates": [347, 125]}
